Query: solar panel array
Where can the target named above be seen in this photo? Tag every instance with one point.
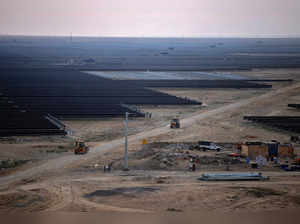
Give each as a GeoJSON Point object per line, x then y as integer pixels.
{"type": "Point", "coordinates": [35, 93]}
{"type": "Point", "coordinates": [297, 106]}
{"type": "Point", "coordinates": [14, 121]}
{"type": "Point", "coordinates": [70, 93]}
{"type": "Point", "coordinates": [226, 83]}
{"type": "Point", "coordinates": [288, 123]}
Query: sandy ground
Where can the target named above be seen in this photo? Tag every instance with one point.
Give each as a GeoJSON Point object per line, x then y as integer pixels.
{"type": "Point", "coordinates": [148, 192]}
{"type": "Point", "coordinates": [60, 181]}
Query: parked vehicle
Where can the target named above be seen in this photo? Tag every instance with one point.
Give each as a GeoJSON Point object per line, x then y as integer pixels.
{"type": "Point", "coordinates": [175, 123]}
{"type": "Point", "coordinates": [80, 148]}
{"type": "Point", "coordinates": [204, 145]}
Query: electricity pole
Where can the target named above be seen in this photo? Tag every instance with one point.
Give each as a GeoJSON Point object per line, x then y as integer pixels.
{"type": "Point", "coordinates": [126, 143]}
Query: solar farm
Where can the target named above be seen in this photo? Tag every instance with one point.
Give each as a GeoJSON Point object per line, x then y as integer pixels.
{"type": "Point", "coordinates": [196, 107]}
{"type": "Point", "coordinates": [74, 94]}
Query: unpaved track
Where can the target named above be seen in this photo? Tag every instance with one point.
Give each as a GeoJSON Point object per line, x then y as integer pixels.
{"type": "Point", "coordinates": [60, 163]}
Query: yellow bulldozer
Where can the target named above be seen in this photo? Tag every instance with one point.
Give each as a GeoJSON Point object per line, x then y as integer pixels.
{"type": "Point", "coordinates": [81, 148]}
{"type": "Point", "coordinates": [175, 123]}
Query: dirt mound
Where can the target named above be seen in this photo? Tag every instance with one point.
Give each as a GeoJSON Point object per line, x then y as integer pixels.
{"type": "Point", "coordinates": [12, 163]}
{"type": "Point", "coordinates": [217, 160]}
{"type": "Point", "coordinates": [260, 192]}
{"type": "Point", "coordinates": [152, 149]}
{"type": "Point", "coordinates": [25, 201]}
{"type": "Point", "coordinates": [176, 156]}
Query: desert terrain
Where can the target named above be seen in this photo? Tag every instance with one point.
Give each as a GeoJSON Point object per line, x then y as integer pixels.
{"type": "Point", "coordinates": [43, 174]}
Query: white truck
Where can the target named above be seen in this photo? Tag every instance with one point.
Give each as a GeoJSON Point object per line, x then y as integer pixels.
{"type": "Point", "coordinates": [209, 146]}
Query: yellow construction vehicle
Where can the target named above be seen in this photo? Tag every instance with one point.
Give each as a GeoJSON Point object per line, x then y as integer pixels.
{"type": "Point", "coordinates": [175, 123]}
{"type": "Point", "coordinates": [80, 148]}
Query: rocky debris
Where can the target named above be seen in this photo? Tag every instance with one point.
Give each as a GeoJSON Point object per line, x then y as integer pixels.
{"type": "Point", "coordinates": [11, 163]}
{"type": "Point", "coordinates": [217, 160]}
{"type": "Point", "coordinates": [30, 180]}
{"type": "Point", "coordinates": [60, 149]}
{"type": "Point", "coordinates": [143, 178]}
{"type": "Point", "coordinates": [43, 148]}
{"type": "Point", "coordinates": [174, 210]}
{"type": "Point", "coordinates": [179, 146]}
{"type": "Point", "coordinates": [162, 180]}
{"type": "Point", "coordinates": [34, 200]}
{"type": "Point", "coordinates": [163, 166]}
{"type": "Point", "coordinates": [260, 192]}
{"type": "Point", "coordinates": [168, 156]}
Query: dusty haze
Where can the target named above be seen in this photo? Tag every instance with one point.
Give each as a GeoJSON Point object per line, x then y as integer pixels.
{"type": "Point", "coordinates": [190, 18]}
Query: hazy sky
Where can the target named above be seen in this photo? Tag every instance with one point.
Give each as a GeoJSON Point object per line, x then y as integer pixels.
{"type": "Point", "coordinates": [189, 18]}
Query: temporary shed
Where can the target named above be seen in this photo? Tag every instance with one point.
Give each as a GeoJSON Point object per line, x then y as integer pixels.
{"type": "Point", "coordinates": [267, 150]}
{"type": "Point", "coordinates": [285, 150]}
{"type": "Point", "coordinates": [254, 149]}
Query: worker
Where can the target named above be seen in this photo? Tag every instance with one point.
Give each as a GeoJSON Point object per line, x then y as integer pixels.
{"type": "Point", "coordinates": [247, 160]}
{"type": "Point", "coordinates": [107, 168]}
{"type": "Point", "coordinates": [192, 165]}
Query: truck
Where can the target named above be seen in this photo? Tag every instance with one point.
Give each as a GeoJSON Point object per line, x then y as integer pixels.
{"type": "Point", "coordinates": [205, 145]}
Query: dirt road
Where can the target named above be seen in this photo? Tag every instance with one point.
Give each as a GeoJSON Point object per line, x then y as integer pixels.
{"type": "Point", "coordinates": [59, 163]}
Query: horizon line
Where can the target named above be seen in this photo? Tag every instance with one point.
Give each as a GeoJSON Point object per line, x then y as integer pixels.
{"type": "Point", "coordinates": [271, 36]}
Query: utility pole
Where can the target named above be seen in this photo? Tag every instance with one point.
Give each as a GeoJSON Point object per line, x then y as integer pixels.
{"type": "Point", "coordinates": [126, 143]}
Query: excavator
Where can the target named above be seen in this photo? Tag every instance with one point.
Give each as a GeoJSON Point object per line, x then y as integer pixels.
{"type": "Point", "coordinates": [80, 148]}
{"type": "Point", "coordinates": [175, 123]}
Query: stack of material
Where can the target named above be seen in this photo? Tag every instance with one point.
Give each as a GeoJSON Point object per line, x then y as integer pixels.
{"type": "Point", "coordinates": [232, 177]}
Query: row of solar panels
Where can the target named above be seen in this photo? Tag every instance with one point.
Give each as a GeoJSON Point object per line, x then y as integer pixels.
{"type": "Point", "coordinates": [288, 123]}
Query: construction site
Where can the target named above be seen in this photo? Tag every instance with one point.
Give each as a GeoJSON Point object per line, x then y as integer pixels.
{"type": "Point", "coordinates": [228, 145]}
{"type": "Point", "coordinates": [146, 126]}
